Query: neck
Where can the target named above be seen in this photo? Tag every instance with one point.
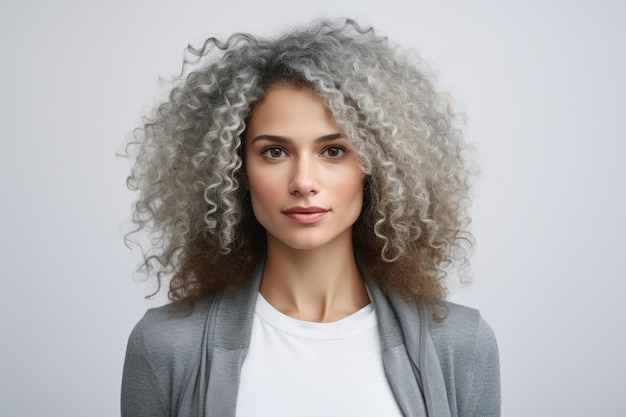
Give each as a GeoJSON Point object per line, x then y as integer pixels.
{"type": "Point", "coordinates": [319, 285]}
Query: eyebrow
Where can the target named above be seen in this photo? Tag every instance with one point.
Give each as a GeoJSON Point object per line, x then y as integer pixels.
{"type": "Point", "coordinates": [286, 141]}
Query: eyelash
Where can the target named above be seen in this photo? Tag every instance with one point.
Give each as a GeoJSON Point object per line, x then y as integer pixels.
{"type": "Point", "coordinates": [267, 152]}
{"type": "Point", "coordinates": [341, 149]}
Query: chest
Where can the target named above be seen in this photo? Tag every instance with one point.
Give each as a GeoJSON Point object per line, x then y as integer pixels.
{"type": "Point", "coordinates": [313, 370]}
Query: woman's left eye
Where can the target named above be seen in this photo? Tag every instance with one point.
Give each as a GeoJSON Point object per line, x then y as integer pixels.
{"type": "Point", "coordinates": [334, 152]}
{"type": "Point", "coordinates": [273, 153]}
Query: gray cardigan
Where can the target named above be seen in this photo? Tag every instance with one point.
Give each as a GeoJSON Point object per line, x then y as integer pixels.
{"type": "Point", "coordinates": [189, 365]}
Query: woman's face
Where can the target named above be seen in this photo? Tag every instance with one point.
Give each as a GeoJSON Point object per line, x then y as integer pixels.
{"type": "Point", "coordinates": [305, 182]}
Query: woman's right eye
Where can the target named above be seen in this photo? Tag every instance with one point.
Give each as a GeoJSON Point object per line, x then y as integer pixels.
{"type": "Point", "coordinates": [273, 153]}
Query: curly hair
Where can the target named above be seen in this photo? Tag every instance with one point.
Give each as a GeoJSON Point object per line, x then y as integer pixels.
{"type": "Point", "coordinates": [188, 160]}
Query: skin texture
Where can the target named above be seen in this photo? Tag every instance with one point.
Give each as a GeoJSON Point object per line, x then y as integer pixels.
{"type": "Point", "coordinates": [306, 188]}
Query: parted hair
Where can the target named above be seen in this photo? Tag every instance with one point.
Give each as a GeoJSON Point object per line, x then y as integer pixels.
{"type": "Point", "coordinates": [188, 160]}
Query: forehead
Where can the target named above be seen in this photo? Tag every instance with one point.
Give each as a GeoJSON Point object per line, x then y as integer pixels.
{"type": "Point", "coordinates": [286, 107]}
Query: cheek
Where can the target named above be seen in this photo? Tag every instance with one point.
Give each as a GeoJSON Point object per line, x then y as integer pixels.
{"type": "Point", "coordinates": [351, 191]}
{"type": "Point", "coordinates": [263, 195]}
{"type": "Point", "coordinates": [260, 184]}
{"type": "Point", "coordinates": [354, 183]}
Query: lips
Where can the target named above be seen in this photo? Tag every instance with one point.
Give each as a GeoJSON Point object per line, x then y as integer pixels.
{"type": "Point", "coordinates": [309, 214]}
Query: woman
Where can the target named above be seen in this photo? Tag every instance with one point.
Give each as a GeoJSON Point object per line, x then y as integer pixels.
{"type": "Point", "coordinates": [307, 194]}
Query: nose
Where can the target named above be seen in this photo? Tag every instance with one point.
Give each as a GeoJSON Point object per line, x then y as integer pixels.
{"type": "Point", "coordinates": [304, 180]}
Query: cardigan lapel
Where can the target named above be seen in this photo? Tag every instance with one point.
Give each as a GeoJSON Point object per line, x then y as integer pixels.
{"type": "Point", "coordinates": [413, 321]}
{"type": "Point", "coordinates": [226, 340]}
{"type": "Point", "coordinates": [403, 376]}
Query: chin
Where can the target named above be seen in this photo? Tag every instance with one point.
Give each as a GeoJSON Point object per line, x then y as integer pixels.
{"type": "Point", "coordinates": [311, 243]}
{"type": "Point", "coordinates": [308, 239]}
{"type": "Point", "coordinates": [303, 246]}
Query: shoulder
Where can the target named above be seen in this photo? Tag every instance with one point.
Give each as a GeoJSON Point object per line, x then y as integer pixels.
{"type": "Point", "coordinates": [165, 342]}
{"type": "Point", "coordinates": [462, 329]}
{"type": "Point", "coordinates": [461, 349]}
{"type": "Point", "coordinates": [162, 353]}
{"type": "Point", "coordinates": [468, 355]}
{"type": "Point", "coordinates": [170, 330]}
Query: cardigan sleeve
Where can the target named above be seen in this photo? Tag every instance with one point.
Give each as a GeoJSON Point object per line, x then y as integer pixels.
{"type": "Point", "coordinates": [141, 394]}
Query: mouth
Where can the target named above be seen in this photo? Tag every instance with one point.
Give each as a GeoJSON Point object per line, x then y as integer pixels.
{"type": "Point", "coordinates": [309, 214]}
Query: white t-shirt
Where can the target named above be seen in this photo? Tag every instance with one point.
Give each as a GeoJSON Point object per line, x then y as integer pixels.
{"type": "Point", "coordinates": [299, 368]}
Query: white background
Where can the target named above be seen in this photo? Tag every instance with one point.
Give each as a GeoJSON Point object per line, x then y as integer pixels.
{"type": "Point", "coordinates": [544, 86]}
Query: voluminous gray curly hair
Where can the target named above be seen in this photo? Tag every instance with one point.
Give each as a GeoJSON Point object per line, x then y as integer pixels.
{"type": "Point", "coordinates": [188, 159]}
